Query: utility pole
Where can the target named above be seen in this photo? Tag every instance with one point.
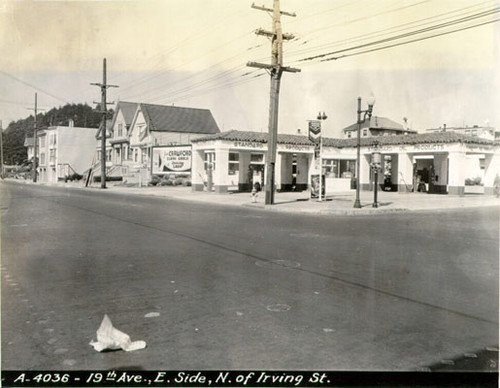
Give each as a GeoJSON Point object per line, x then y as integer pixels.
{"type": "Point", "coordinates": [1, 150]}
{"type": "Point", "coordinates": [104, 104]}
{"type": "Point", "coordinates": [276, 69]}
{"type": "Point", "coordinates": [35, 141]}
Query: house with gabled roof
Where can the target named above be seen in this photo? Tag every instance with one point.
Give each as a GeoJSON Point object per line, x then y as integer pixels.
{"type": "Point", "coordinates": [119, 132]}
{"type": "Point", "coordinates": [161, 125]}
{"type": "Point", "coordinates": [377, 126]}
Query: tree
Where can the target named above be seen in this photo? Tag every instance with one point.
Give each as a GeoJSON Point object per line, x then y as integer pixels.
{"type": "Point", "coordinates": [15, 153]}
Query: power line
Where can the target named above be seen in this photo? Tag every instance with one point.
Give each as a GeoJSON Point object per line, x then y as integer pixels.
{"type": "Point", "coordinates": [33, 86]}
{"type": "Point", "coordinates": [409, 34]}
{"type": "Point", "coordinates": [411, 41]}
{"type": "Point", "coordinates": [394, 29]}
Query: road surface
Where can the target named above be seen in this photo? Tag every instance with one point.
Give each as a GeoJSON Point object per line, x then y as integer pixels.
{"type": "Point", "coordinates": [222, 287]}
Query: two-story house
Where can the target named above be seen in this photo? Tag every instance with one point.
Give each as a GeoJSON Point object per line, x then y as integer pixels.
{"type": "Point", "coordinates": [160, 125]}
{"type": "Point", "coordinates": [121, 154]}
{"type": "Point", "coordinates": [377, 126]}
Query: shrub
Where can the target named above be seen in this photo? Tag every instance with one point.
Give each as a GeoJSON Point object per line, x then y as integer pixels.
{"type": "Point", "coordinates": [473, 181]}
{"type": "Point", "coordinates": [155, 179]}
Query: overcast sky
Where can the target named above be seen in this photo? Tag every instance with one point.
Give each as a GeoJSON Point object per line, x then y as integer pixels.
{"type": "Point", "coordinates": [193, 53]}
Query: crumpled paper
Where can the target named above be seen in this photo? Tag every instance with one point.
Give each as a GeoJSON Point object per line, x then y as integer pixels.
{"type": "Point", "coordinates": [110, 338]}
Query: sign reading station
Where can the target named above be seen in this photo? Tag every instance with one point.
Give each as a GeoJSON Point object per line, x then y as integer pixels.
{"type": "Point", "coordinates": [170, 159]}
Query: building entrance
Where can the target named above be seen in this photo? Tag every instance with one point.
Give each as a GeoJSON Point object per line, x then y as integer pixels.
{"type": "Point", "coordinates": [255, 175]}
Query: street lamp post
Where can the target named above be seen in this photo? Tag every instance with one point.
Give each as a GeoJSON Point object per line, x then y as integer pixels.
{"type": "Point", "coordinates": [366, 113]}
{"type": "Point", "coordinates": [321, 117]}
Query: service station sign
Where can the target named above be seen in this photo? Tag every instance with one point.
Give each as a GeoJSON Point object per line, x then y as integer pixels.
{"type": "Point", "coordinates": [171, 159]}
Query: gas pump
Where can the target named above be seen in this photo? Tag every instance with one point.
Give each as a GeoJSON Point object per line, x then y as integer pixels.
{"type": "Point", "coordinates": [376, 164]}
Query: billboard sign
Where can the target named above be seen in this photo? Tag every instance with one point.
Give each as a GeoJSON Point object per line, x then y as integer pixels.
{"type": "Point", "coordinates": [171, 159]}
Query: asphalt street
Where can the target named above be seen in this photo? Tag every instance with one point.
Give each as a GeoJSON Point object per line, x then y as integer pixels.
{"type": "Point", "coordinates": [219, 287]}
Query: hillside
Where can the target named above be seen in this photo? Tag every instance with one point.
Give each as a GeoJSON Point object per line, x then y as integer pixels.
{"type": "Point", "coordinates": [14, 136]}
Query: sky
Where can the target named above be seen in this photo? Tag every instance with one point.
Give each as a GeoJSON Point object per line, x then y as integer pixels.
{"type": "Point", "coordinates": [194, 53]}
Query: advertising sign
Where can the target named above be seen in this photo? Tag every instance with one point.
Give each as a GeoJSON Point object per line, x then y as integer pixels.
{"type": "Point", "coordinates": [315, 185]}
{"type": "Point", "coordinates": [171, 159]}
{"type": "Point", "coordinates": [315, 131]}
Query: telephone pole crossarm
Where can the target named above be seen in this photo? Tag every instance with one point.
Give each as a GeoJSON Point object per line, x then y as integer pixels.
{"type": "Point", "coordinates": [262, 8]}
{"type": "Point", "coordinates": [261, 31]}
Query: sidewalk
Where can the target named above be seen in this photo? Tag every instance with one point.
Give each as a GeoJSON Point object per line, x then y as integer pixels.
{"type": "Point", "coordinates": [338, 203]}
{"type": "Point", "coordinates": [300, 202]}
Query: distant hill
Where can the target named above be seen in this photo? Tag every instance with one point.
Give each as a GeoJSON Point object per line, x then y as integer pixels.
{"type": "Point", "coordinates": [13, 137]}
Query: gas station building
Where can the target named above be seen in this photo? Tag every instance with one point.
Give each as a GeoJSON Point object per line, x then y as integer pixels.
{"type": "Point", "coordinates": [438, 163]}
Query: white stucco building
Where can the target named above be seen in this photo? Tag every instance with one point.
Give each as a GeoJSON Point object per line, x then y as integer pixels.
{"type": "Point", "coordinates": [439, 160]}
{"type": "Point", "coordinates": [63, 151]}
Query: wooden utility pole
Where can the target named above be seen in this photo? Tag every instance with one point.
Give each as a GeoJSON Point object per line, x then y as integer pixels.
{"type": "Point", "coordinates": [276, 69]}
{"type": "Point", "coordinates": [1, 150]}
{"type": "Point", "coordinates": [104, 86]}
{"type": "Point", "coordinates": [35, 142]}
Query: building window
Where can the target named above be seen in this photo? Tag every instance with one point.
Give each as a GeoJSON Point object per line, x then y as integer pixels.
{"type": "Point", "coordinates": [257, 158]}
{"type": "Point", "coordinates": [120, 129]}
{"type": "Point", "coordinates": [52, 139]}
{"type": "Point", "coordinates": [52, 156]}
{"type": "Point", "coordinates": [42, 158]}
{"type": "Point", "coordinates": [108, 155]}
{"type": "Point", "coordinates": [349, 134]}
{"type": "Point", "coordinates": [209, 160]}
{"type": "Point", "coordinates": [339, 168]}
{"type": "Point", "coordinates": [331, 168]}
{"type": "Point", "coordinates": [234, 163]}
{"type": "Point", "coordinates": [365, 132]}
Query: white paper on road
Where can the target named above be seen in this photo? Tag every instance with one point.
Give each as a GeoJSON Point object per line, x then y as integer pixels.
{"type": "Point", "coordinates": [110, 338]}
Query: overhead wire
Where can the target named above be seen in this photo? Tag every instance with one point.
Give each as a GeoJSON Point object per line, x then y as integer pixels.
{"type": "Point", "coordinates": [411, 41]}
{"type": "Point", "coordinates": [391, 30]}
{"type": "Point", "coordinates": [34, 87]}
{"type": "Point", "coordinates": [408, 34]}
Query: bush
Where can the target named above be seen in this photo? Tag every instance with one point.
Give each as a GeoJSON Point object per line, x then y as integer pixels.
{"type": "Point", "coordinates": [473, 181]}
{"type": "Point", "coordinates": [155, 179]}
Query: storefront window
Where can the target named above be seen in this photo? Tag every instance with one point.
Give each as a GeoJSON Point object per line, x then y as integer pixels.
{"type": "Point", "coordinates": [331, 168]}
{"type": "Point", "coordinates": [234, 163]}
{"type": "Point", "coordinates": [339, 168]}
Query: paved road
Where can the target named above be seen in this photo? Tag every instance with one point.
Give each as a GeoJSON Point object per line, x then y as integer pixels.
{"type": "Point", "coordinates": [241, 288]}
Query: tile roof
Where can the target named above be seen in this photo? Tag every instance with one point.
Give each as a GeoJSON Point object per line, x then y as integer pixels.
{"type": "Point", "coordinates": [178, 119]}
{"type": "Point", "coordinates": [411, 139]}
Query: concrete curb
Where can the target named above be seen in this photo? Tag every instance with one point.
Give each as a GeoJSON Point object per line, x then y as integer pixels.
{"type": "Point", "coordinates": [294, 206]}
